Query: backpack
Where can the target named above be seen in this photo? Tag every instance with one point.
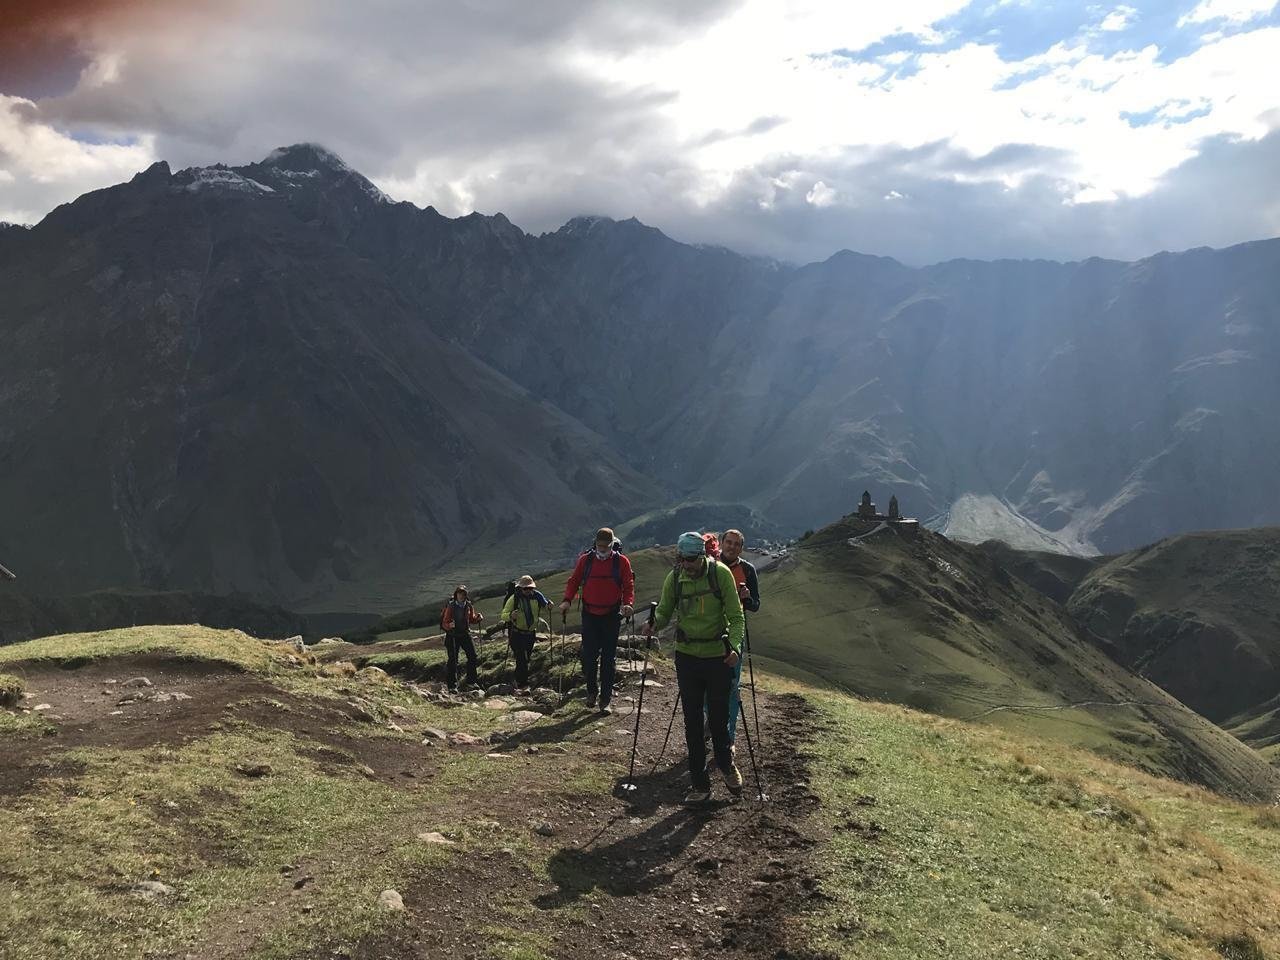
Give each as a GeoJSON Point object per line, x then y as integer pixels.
{"type": "Point", "coordinates": [617, 565]}
{"type": "Point", "coordinates": [466, 615]}
{"type": "Point", "coordinates": [712, 580]}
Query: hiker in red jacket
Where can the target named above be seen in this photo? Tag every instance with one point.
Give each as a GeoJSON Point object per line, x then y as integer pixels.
{"type": "Point", "coordinates": [608, 594]}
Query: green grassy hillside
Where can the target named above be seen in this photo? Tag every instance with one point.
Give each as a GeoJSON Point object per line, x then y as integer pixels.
{"type": "Point", "coordinates": [268, 811]}
{"type": "Point", "coordinates": [942, 627]}
{"type": "Point", "coordinates": [1200, 616]}
{"type": "Point", "coordinates": [1056, 575]}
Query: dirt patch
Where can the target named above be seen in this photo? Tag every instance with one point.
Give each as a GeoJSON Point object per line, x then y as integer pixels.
{"type": "Point", "coordinates": [105, 704]}
{"type": "Point", "coordinates": [629, 874]}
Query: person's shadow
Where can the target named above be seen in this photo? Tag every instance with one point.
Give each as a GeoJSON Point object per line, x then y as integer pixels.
{"type": "Point", "coordinates": [630, 866]}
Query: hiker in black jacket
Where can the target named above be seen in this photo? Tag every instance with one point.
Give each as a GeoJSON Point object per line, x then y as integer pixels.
{"type": "Point", "coordinates": [744, 574]}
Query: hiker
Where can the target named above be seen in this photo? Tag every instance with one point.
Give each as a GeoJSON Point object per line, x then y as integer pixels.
{"type": "Point", "coordinates": [521, 613]}
{"type": "Point", "coordinates": [744, 575]}
{"type": "Point", "coordinates": [456, 619]}
{"type": "Point", "coordinates": [608, 596]}
{"type": "Point", "coordinates": [703, 596]}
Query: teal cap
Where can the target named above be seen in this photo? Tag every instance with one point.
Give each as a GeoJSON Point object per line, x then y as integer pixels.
{"type": "Point", "coordinates": [691, 544]}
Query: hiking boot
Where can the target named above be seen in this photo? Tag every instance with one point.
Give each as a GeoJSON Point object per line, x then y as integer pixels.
{"type": "Point", "coordinates": [733, 779]}
{"type": "Point", "coordinates": [606, 707]}
{"type": "Point", "coordinates": [698, 794]}
{"type": "Point", "coordinates": [591, 702]}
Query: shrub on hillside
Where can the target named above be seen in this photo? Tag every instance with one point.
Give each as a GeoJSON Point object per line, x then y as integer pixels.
{"type": "Point", "coordinates": [11, 689]}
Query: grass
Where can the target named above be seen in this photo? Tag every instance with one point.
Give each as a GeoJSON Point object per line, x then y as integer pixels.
{"type": "Point", "coordinates": [942, 839]}
{"type": "Point", "coordinates": [24, 725]}
{"type": "Point", "coordinates": [229, 647]}
{"type": "Point", "coordinates": [186, 818]}
{"type": "Point", "coordinates": [936, 626]}
{"type": "Point", "coordinates": [978, 844]}
{"type": "Point", "coordinates": [11, 690]}
{"type": "Point", "coordinates": [183, 815]}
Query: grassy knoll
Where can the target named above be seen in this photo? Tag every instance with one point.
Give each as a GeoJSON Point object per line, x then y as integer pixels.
{"type": "Point", "coordinates": [942, 627]}
{"type": "Point", "coordinates": [281, 785]}
{"type": "Point", "coordinates": [229, 647]}
{"type": "Point", "coordinates": [959, 840]}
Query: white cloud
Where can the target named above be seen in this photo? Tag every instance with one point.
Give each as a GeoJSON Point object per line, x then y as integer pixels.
{"type": "Point", "coordinates": [1118, 19]}
{"type": "Point", "coordinates": [1233, 11]}
{"type": "Point", "coordinates": [40, 166]}
{"type": "Point", "coordinates": [820, 195]}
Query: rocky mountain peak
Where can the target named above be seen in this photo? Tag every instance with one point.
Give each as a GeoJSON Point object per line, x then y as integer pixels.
{"type": "Point", "coordinates": [306, 157]}
{"type": "Point", "coordinates": [304, 164]}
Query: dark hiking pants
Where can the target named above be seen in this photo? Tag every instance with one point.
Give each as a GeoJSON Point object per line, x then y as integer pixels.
{"type": "Point", "coordinates": [453, 642]}
{"type": "Point", "coordinates": [522, 647]}
{"type": "Point", "coordinates": [599, 645]}
{"type": "Point", "coordinates": [704, 680]}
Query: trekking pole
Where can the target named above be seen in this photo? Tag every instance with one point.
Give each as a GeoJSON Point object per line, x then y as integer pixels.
{"type": "Point", "coordinates": [755, 771]}
{"type": "Point", "coordinates": [564, 646]}
{"type": "Point", "coordinates": [630, 783]}
{"type": "Point", "coordinates": [667, 739]}
{"type": "Point", "coordinates": [551, 648]}
{"type": "Point", "coordinates": [751, 677]}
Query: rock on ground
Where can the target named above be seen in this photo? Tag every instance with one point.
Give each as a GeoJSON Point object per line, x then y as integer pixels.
{"type": "Point", "coordinates": [390, 900]}
{"type": "Point", "coordinates": [434, 837]}
{"type": "Point", "coordinates": [522, 718]}
{"type": "Point", "coordinates": [153, 890]}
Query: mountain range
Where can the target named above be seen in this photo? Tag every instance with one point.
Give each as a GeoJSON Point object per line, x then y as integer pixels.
{"type": "Point", "coordinates": [272, 378]}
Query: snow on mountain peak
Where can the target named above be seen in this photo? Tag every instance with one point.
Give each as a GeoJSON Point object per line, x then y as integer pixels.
{"type": "Point", "coordinates": [303, 161]}
{"type": "Point", "coordinates": [220, 178]}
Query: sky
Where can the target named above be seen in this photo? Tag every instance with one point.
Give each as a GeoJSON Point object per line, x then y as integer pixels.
{"type": "Point", "coordinates": [924, 130]}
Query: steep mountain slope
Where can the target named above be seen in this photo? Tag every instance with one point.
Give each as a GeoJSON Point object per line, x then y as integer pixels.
{"type": "Point", "coordinates": [204, 389]}
{"type": "Point", "coordinates": [1056, 575]}
{"type": "Point", "coordinates": [274, 378]}
{"type": "Point", "coordinates": [1198, 614]}
{"type": "Point", "coordinates": [943, 627]}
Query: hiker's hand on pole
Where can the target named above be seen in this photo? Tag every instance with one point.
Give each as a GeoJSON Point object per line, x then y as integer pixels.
{"type": "Point", "coordinates": [731, 660]}
{"type": "Point", "coordinates": [564, 608]}
{"type": "Point", "coordinates": [626, 611]}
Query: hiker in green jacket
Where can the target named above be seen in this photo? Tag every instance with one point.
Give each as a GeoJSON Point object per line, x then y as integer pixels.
{"type": "Point", "coordinates": [521, 611]}
{"type": "Point", "coordinates": [702, 594]}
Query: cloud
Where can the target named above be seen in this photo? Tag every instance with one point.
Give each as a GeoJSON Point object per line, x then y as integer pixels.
{"type": "Point", "coordinates": [820, 195]}
{"type": "Point", "coordinates": [789, 129]}
{"type": "Point", "coordinates": [1118, 19]}
{"type": "Point", "coordinates": [41, 167]}
{"type": "Point", "coordinates": [1232, 11]}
